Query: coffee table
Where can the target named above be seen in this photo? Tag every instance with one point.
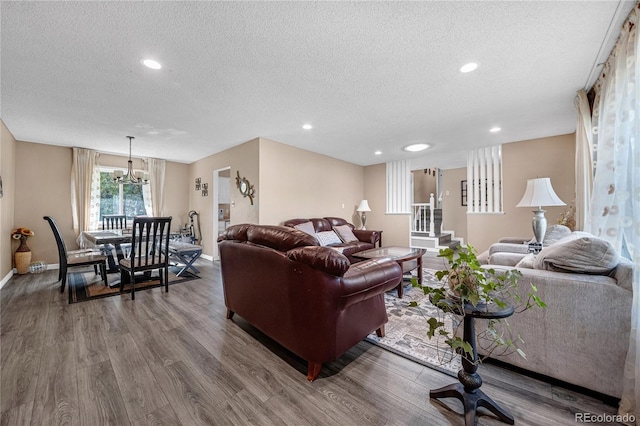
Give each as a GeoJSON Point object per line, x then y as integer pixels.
{"type": "Point", "coordinates": [402, 255]}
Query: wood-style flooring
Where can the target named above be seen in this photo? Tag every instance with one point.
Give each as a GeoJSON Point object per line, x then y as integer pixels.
{"type": "Point", "coordinates": [174, 359]}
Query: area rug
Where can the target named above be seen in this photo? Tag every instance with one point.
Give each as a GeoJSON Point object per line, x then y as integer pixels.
{"type": "Point", "coordinates": [86, 285]}
{"type": "Point", "coordinates": [406, 331]}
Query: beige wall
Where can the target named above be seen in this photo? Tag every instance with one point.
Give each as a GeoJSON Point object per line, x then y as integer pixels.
{"type": "Point", "coordinates": [301, 184]}
{"type": "Point", "coordinates": [7, 202]}
{"type": "Point", "coordinates": [43, 183]}
{"type": "Point", "coordinates": [395, 227]}
{"type": "Point", "coordinates": [455, 218]}
{"type": "Point", "coordinates": [244, 159]}
{"type": "Point", "coordinates": [551, 157]}
{"type": "Point", "coordinates": [423, 186]}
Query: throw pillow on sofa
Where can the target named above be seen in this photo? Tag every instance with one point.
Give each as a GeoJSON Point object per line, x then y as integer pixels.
{"type": "Point", "coordinates": [345, 233]}
{"type": "Point", "coordinates": [554, 234]}
{"type": "Point", "coordinates": [580, 253]}
{"type": "Point", "coordinates": [328, 237]}
{"type": "Point", "coordinates": [306, 227]}
{"type": "Point", "coordinates": [527, 261]}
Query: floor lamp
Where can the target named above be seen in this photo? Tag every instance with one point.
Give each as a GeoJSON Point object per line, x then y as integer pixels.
{"type": "Point", "coordinates": [363, 208]}
{"type": "Point", "coordinates": [539, 193]}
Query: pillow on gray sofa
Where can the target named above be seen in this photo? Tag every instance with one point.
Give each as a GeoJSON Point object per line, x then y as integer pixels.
{"type": "Point", "coordinates": [527, 261]}
{"type": "Point", "coordinates": [554, 234]}
{"type": "Point", "coordinates": [579, 253]}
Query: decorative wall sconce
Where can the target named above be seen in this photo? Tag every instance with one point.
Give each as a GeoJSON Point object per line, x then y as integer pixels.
{"type": "Point", "coordinates": [205, 189]}
{"type": "Point", "coordinates": [198, 180]}
{"type": "Point", "coordinates": [245, 188]}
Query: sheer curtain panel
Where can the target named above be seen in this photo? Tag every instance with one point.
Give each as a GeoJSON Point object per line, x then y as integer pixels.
{"type": "Point", "coordinates": [615, 204]}
{"type": "Point", "coordinates": [584, 160]}
{"type": "Point", "coordinates": [154, 193]}
{"type": "Point", "coordinates": [82, 176]}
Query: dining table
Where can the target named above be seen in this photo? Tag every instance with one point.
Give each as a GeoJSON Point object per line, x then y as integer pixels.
{"type": "Point", "coordinates": [96, 239]}
{"type": "Point", "coordinates": [185, 253]}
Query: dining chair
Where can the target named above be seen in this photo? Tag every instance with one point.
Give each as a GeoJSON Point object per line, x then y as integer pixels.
{"type": "Point", "coordinates": [149, 248]}
{"type": "Point", "coordinates": [75, 258]}
{"type": "Point", "coordinates": [114, 221]}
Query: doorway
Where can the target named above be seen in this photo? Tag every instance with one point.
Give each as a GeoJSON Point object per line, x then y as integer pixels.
{"type": "Point", "coordinates": [221, 205]}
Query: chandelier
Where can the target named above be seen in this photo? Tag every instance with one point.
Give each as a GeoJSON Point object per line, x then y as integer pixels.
{"type": "Point", "coordinates": [130, 178]}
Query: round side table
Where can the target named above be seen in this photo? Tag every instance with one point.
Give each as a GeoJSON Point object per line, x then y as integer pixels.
{"type": "Point", "coordinates": [468, 389]}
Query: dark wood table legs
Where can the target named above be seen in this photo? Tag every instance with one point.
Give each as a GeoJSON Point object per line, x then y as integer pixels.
{"type": "Point", "coordinates": [468, 390]}
{"type": "Point", "coordinates": [400, 287]}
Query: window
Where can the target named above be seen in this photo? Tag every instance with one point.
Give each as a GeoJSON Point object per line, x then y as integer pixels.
{"type": "Point", "coordinates": [118, 199]}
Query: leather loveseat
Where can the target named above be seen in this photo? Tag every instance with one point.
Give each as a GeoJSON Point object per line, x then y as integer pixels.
{"type": "Point", "coordinates": [365, 239]}
{"type": "Point", "coordinates": [308, 298]}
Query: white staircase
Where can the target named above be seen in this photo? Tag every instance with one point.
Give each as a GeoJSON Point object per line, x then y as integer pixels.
{"type": "Point", "coordinates": [426, 228]}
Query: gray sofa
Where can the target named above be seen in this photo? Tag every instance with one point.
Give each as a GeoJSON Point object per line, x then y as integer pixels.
{"type": "Point", "coordinates": [582, 336]}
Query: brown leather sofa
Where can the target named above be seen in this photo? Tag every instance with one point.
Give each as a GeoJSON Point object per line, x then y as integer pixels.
{"type": "Point", "coordinates": [308, 298]}
{"type": "Point", "coordinates": [367, 239]}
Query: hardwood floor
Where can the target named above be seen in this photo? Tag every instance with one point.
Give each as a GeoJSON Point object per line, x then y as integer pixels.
{"type": "Point", "coordinates": [174, 359]}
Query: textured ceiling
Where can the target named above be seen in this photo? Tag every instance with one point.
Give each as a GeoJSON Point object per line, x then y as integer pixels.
{"type": "Point", "coordinates": [367, 75]}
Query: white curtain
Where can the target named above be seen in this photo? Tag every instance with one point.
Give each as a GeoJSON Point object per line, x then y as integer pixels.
{"type": "Point", "coordinates": [153, 194]}
{"type": "Point", "coordinates": [584, 161]}
{"type": "Point", "coordinates": [615, 205]}
{"type": "Point", "coordinates": [83, 167]}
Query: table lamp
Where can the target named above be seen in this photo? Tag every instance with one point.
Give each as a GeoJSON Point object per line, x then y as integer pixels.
{"type": "Point", "coordinates": [363, 208]}
{"type": "Point", "coordinates": [539, 193]}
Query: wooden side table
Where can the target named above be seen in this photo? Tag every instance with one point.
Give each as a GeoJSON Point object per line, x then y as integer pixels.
{"type": "Point", "coordinates": [468, 389]}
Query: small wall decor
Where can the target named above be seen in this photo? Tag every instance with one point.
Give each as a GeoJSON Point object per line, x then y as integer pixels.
{"type": "Point", "coordinates": [245, 188]}
{"type": "Point", "coordinates": [198, 180]}
{"type": "Point", "coordinates": [205, 192]}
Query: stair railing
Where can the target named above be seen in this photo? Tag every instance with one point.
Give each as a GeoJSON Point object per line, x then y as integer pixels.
{"type": "Point", "coordinates": [422, 217]}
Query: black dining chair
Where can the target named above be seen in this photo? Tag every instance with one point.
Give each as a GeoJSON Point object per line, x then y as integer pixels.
{"type": "Point", "coordinates": [149, 251]}
{"type": "Point", "coordinates": [75, 258]}
{"type": "Point", "coordinates": [114, 221]}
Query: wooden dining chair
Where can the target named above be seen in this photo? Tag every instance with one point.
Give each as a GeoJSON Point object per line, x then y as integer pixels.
{"type": "Point", "coordinates": [114, 221]}
{"type": "Point", "coordinates": [75, 258]}
{"type": "Point", "coordinates": [149, 251]}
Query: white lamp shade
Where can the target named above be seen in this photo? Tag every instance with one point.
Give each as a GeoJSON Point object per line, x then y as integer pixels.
{"type": "Point", "coordinates": [540, 193]}
{"type": "Point", "coordinates": [364, 206]}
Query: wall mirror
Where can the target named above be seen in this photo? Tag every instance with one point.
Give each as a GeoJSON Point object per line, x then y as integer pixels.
{"type": "Point", "coordinates": [245, 188]}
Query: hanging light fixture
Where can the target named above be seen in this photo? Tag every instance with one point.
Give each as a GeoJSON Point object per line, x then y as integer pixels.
{"type": "Point", "coordinates": [130, 178]}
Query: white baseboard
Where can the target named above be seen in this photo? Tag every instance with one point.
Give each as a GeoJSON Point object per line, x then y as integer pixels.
{"type": "Point", "coordinates": [7, 278]}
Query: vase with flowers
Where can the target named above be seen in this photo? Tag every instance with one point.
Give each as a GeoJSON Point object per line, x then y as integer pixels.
{"type": "Point", "coordinates": [22, 256]}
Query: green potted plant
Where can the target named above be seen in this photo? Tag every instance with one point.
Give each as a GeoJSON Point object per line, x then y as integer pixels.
{"type": "Point", "coordinates": [466, 282]}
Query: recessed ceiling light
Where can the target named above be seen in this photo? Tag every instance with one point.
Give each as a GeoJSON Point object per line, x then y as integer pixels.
{"type": "Point", "coordinates": [150, 63]}
{"type": "Point", "coordinates": [469, 67]}
{"type": "Point", "coordinates": [307, 126]}
{"type": "Point", "coordinates": [495, 129]}
{"type": "Point", "coordinates": [416, 147]}
{"type": "Point", "coordinates": [378, 153]}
